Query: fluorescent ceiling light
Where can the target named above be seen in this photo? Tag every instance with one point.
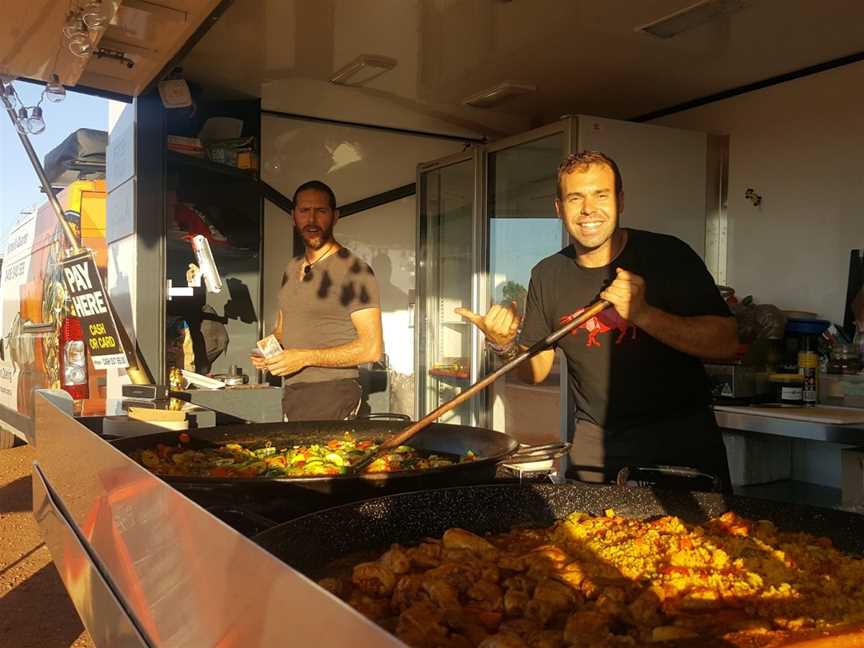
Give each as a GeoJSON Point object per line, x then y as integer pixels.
{"type": "Point", "coordinates": [499, 93]}
{"type": "Point", "coordinates": [363, 69]}
{"type": "Point", "coordinates": [692, 16]}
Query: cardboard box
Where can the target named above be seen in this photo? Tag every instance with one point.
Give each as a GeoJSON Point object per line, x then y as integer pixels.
{"type": "Point", "coordinates": [247, 160]}
{"type": "Point", "coordinates": [156, 415]}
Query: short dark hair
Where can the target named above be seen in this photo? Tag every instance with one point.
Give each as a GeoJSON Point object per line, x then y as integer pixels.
{"type": "Point", "coordinates": [315, 185]}
{"type": "Point", "coordinates": [582, 160]}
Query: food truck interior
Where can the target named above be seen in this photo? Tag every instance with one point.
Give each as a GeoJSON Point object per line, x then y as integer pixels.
{"type": "Point", "coordinates": [439, 124]}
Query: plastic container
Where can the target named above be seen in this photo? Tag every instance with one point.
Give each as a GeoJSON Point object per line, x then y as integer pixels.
{"type": "Point", "coordinates": [842, 390]}
{"type": "Point", "coordinates": [844, 359]}
{"type": "Point", "coordinates": [788, 388]}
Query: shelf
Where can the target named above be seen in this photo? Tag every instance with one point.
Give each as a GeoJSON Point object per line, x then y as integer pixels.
{"type": "Point", "coordinates": [794, 492]}
{"type": "Point", "coordinates": [204, 164]}
{"type": "Point", "coordinates": [449, 375]}
{"type": "Point", "coordinates": [176, 244]}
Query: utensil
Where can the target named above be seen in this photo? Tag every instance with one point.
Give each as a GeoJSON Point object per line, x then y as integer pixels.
{"type": "Point", "coordinates": [481, 384]}
{"type": "Point", "coordinates": [204, 382]}
{"type": "Point", "coordinates": [532, 454]}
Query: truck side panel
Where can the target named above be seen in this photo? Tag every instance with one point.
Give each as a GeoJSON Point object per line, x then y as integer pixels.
{"type": "Point", "coordinates": [34, 305]}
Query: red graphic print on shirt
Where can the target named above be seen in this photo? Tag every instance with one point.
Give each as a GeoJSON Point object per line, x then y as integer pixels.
{"type": "Point", "coordinates": [607, 320]}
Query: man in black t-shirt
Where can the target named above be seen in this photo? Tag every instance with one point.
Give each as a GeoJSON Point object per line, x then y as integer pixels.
{"type": "Point", "coordinates": [636, 376]}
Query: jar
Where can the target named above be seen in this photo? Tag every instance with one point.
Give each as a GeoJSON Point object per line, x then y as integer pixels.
{"type": "Point", "coordinates": [844, 359]}
{"type": "Point", "coordinates": [788, 388]}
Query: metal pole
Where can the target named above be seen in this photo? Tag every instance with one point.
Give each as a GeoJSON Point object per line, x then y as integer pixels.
{"type": "Point", "coordinates": [37, 166]}
{"type": "Point", "coordinates": [137, 371]}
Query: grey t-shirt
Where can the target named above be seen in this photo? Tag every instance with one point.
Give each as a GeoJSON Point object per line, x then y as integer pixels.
{"type": "Point", "coordinates": [316, 308]}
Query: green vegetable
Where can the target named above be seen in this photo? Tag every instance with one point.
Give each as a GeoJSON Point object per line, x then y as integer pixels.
{"type": "Point", "coordinates": [334, 458]}
{"type": "Point", "coordinates": [331, 458]}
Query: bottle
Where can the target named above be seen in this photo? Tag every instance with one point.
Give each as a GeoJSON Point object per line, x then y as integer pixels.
{"type": "Point", "coordinates": [808, 366]}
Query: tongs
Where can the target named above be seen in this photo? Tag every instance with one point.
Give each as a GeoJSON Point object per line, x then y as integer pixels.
{"type": "Point", "coordinates": [533, 453]}
{"type": "Point", "coordinates": [478, 386]}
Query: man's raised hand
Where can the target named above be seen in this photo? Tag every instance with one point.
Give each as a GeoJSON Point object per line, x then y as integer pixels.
{"type": "Point", "coordinates": [500, 325]}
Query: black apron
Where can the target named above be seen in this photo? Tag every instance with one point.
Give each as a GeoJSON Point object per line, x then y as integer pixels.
{"type": "Point", "coordinates": [333, 400]}
{"type": "Point", "coordinates": [688, 439]}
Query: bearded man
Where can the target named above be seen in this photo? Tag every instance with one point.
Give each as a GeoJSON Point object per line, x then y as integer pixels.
{"type": "Point", "coordinates": [329, 317]}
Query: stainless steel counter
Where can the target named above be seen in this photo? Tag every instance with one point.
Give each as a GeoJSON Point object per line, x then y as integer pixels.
{"type": "Point", "coordinates": [256, 404]}
{"type": "Point", "coordinates": [152, 568]}
{"type": "Point", "coordinates": [738, 418]}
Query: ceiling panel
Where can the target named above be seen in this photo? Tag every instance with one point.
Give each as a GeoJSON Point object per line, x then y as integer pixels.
{"type": "Point", "coordinates": [584, 56]}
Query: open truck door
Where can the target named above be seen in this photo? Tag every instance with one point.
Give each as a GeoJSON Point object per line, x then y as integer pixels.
{"type": "Point", "coordinates": [132, 45]}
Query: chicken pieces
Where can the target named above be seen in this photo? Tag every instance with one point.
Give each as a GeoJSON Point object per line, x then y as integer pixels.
{"type": "Point", "coordinates": [608, 581]}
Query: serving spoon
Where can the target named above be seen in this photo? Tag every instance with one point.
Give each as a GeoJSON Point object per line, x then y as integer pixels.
{"type": "Point", "coordinates": [400, 439]}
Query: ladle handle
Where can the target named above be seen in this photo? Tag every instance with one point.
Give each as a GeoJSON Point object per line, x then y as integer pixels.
{"type": "Point", "coordinates": [481, 384]}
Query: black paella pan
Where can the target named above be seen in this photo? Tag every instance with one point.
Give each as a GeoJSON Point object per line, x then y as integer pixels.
{"type": "Point", "coordinates": [287, 497]}
{"type": "Point", "coordinates": [312, 541]}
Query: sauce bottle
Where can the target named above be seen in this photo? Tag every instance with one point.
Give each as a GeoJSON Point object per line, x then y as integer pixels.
{"type": "Point", "coordinates": [808, 366]}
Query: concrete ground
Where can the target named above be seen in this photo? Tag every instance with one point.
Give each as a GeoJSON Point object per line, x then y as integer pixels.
{"type": "Point", "coordinates": [35, 611]}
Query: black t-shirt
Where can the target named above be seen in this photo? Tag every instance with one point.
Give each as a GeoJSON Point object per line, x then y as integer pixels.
{"type": "Point", "coordinates": [621, 377]}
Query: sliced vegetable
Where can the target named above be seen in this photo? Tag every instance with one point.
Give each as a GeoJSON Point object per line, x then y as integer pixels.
{"type": "Point", "coordinates": [333, 457]}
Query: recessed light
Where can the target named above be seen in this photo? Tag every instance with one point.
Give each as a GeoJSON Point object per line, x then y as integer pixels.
{"type": "Point", "coordinates": [363, 69]}
{"type": "Point", "coordinates": [499, 93]}
{"type": "Point", "coordinates": [692, 16]}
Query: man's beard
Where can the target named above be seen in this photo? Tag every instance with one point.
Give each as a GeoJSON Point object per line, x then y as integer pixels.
{"type": "Point", "coordinates": [316, 240]}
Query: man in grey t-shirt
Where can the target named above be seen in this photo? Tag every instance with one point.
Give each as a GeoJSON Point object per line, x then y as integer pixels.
{"type": "Point", "coordinates": [329, 316]}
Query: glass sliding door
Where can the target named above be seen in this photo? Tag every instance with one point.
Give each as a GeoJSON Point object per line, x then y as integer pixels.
{"type": "Point", "coordinates": [446, 270]}
{"type": "Point", "coordinates": [523, 229]}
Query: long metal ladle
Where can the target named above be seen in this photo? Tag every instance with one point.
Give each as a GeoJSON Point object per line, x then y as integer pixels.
{"type": "Point", "coordinates": [478, 386]}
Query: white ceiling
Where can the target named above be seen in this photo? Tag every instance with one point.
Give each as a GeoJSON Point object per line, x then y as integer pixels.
{"type": "Point", "coordinates": [583, 55]}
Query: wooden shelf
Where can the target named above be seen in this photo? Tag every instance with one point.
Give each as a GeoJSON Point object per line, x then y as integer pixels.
{"type": "Point", "coordinates": [204, 164]}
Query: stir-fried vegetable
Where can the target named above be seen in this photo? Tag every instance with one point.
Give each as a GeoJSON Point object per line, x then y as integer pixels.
{"type": "Point", "coordinates": [331, 458]}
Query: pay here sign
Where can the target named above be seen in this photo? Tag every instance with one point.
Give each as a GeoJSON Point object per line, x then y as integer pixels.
{"type": "Point", "coordinates": [90, 302]}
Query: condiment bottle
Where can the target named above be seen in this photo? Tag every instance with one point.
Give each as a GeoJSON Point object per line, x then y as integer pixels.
{"type": "Point", "coordinates": [808, 366]}
{"type": "Point", "coordinates": [788, 388]}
